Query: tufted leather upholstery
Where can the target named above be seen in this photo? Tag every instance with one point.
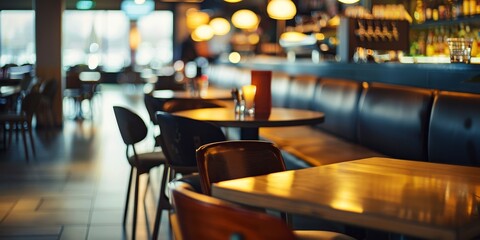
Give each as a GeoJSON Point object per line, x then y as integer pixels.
{"type": "Point", "coordinates": [454, 135]}
{"type": "Point", "coordinates": [280, 86]}
{"type": "Point", "coordinates": [394, 120]}
{"type": "Point", "coordinates": [388, 120]}
{"type": "Point", "coordinates": [338, 99]}
{"type": "Point", "coordinates": [301, 91]}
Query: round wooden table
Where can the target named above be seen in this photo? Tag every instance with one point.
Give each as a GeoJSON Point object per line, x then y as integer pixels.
{"type": "Point", "coordinates": [279, 117]}
{"type": "Point", "coordinates": [211, 94]}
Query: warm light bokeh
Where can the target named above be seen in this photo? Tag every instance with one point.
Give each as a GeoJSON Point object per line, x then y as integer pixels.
{"type": "Point", "coordinates": [196, 18]}
{"type": "Point", "coordinates": [220, 26]}
{"type": "Point", "coordinates": [202, 33]}
{"type": "Point", "coordinates": [245, 19]}
{"type": "Point", "coordinates": [281, 9]}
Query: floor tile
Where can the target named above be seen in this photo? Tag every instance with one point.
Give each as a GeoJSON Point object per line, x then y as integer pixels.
{"type": "Point", "coordinates": [49, 204]}
{"type": "Point", "coordinates": [77, 182]}
{"type": "Point", "coordinates": [46, 218]}
{"type": "Point", "coordinates": [30, 232]}
{"type": "Point", "coordinates": [74, 233]}
{"type": "Point", "coordinates": [27, 204]}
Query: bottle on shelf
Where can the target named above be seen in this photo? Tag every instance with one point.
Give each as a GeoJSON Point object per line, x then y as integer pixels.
{"type": "Point", "coordinates": [430, 47]}
{"type": "Point", "coordinates": [466, 8]}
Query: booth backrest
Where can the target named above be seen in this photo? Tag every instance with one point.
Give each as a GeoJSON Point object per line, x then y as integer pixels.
{"type": "Point", "coordinates": [301, 91]}
{"type": "Point", "coordinates": [394, 120]}
{"type": "Point", "coordinates": [338, 99]}
{"type": "Point", "coordinates": [454, 135]}
{"type": "Point", "coordinates": [280, 85]}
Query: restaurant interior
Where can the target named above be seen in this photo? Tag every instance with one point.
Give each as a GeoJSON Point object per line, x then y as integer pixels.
{"type": "Point", "coordinates": [240, 119]}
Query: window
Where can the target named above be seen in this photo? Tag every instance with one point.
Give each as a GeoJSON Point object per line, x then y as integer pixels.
{"type": "Point", "coordinates": [17, 32]}
{"type": "Point", "coordinates": [101, 38]}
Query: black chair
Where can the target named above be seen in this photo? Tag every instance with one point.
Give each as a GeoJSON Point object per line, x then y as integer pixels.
{"type": "Point", "coordinates": [48, 90]}
{"type": "Point", "coordinates": [133, 130]}
{"type": "Point", "coordinates": [22, 120]}
{"type": "Point", "coordinates": [180, 139]}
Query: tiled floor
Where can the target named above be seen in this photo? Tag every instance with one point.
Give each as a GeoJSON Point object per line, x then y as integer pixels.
{"type": "Point", "coordinates": [75, 186]}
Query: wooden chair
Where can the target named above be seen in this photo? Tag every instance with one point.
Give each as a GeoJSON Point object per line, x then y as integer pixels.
{"type": "Point", "coordinates": [180, 137]}
{"type": "Point", "coordinates": [22, 120]}
{"type": "Point", "coordinates": [133, 130]}
{"type": "Point", "coordinates": [198, 216]}
{"type": "Point", "coordinates": [228, 160]}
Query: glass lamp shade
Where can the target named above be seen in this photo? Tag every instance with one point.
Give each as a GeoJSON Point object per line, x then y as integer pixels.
{"type": "Point", "coordinates": [220, 26]}
{"type": "Point", "coordinates": [232, 1]}
{"type": "Point", "coordinates": [202, 33]}
{"type": "Point", "coordinates": [196, 18]}
{"type": "Point", "coordinates": [245, 19]}
{"type": "Point", "coordinates": [348, 1]}
{"type": "Point", "coordinates": [281, 9]}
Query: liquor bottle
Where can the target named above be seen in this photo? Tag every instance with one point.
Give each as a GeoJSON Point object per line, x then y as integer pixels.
{"type": "Point", "coordinates": [420, 12]}
{"type": "Point", "coordinates": [442, 10]}
{"type": "Point", "coordinates": [428, 10]}
{"type": "Point", "coordinates": [435, 13]}
{"type": "Point", "coordinates": [421, 44]}
{"type": "Point", "coordinates": [430, 48]}
{"type": "Point", "coordinates": [466, 8]}
{"type": "Point", "coordinates": [454, 10]}
{"type": "Point", "coordinates": [473, 7]}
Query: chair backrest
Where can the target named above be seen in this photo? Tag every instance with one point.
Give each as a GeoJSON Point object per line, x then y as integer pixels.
{"type": "Point", "coordinates": [132, 127]}
{"type": "Point", "coordinates": [30, 103]}
{"type": "Point", "coordinates": [49, 88]}
{"type": "Point", "coordinates": [236, 159]}
{"type": "Point", "coordinates": [203, 217]}
{"type": "Point", "coordinates": [182, 136]}
{"type": "Point", "coordinates": [153, 105]}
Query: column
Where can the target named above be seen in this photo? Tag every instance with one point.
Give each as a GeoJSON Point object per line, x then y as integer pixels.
{"type": "Point", "coordinates": [48, 40]}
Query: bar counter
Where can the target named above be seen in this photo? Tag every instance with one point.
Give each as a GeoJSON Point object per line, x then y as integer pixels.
{"type": "Point", "coordinates": [442, 76]}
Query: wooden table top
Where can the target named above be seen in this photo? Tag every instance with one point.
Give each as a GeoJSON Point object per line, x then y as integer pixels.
{"type": "Point", "coordinates": [226, 117]}
{"type": "Point", "coordinates": [427, 200]}
{"type": "Point", "coordinates": [211, 94]}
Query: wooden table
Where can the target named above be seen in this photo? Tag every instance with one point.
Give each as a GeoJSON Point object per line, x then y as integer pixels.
{"type": "Point", "coordinates": [279, 117]}
{"type": "Point", "coordinates": [421, 199]}
{"type": "Point", "coordinates": [211, 94]}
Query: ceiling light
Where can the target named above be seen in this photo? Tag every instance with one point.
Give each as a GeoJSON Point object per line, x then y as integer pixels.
{"type": "Point", "coordinates": [245, 19]}
{"type": "Point", "coordinates": [85, 4]}
{"type": "Point", "coordinates": [202, 33]}
{"type": "Point", "coordinates": [281, 9]}
{"type": "Point", "coordinates": [220, 26]}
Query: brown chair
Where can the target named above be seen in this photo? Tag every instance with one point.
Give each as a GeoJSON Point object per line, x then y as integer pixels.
{"type": "Point", "coordinates": [228, 160]}
{"type": "Point", "coordinates": [133, 130]}
{"type": "Point", "coordinates": [198, 216]}
{"type": "Point", "coordinates": [22, 120]}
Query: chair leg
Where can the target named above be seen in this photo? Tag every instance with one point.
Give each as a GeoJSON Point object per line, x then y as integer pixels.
{"type": "Point", "coordinates": [135, 205]}
{"type": "Point", "coordinates": [30, 132]}
{"type": "Point", "coordinates": [162, 202]}
{"type": "Point", "coordinates": [24, 137]}
{"type": "Point", "coordinates": [146, 188]}
{"type": "Point", "coordinates": [128, 197]}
